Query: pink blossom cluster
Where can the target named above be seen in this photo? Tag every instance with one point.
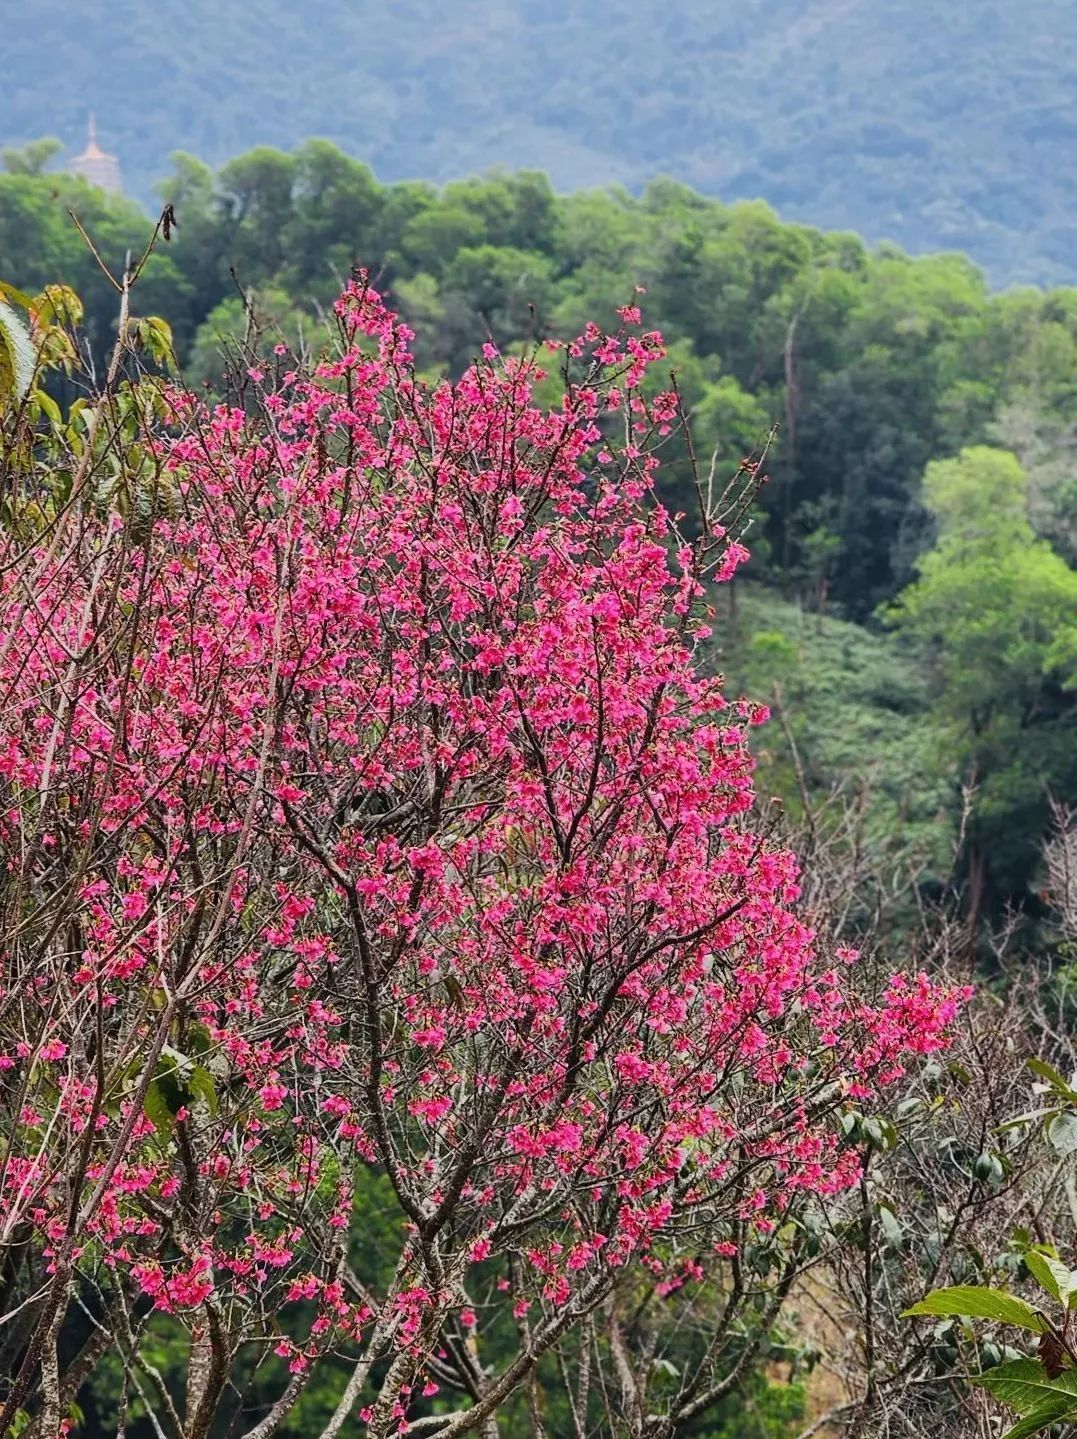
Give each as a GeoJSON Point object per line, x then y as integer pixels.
{"type": "Point", "coordinates": [377, 814]}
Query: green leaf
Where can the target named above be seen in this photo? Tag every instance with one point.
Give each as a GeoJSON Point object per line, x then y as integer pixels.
{"type": "Point", "coordinates": [159, 1110]}
{"type": "Point", "coordinates": [201, 1086]}
{"type": "Point", "coordinates": [1052, 1076]}
{"type": "Point", "coordinates": [156, 335]}
{"type": "Point", "coordinates": [19, 1421]}
{"type": "Point", "coordinates": [850, 1123]}
{"type": "Point", "coordinates": [199, 1040]}
{"type": "Point", "coordinates": [17, 358]}
{"type": "Point", "coordinates": [893, 1234]}
{"type": "Point", "coordinates": [171, 1078]}
{"type": "Point", "coordinates": [173, 1062]}
{"type": "Point", "coordinates": [1062, 1133]}
{"type": "Point", "coordinates": [971, 1301]}
{"type": "Point", "coordinates": [48, 407]}
{"type": "Point", "coordinates": [1024, 1386]}
{"type": "Point", "coordinates": [880, 1133]}
{"type": "Point", "coordinates": [1039, 1420]}
{"type": "Point", "coordinates": [16, 297]}
{"type": "Point", "coordinates": [58, 305]}
{"type": "Point", "coordinates": [1052, 1275]}
{"type": "Point", "coordinates": [1021, 1120]}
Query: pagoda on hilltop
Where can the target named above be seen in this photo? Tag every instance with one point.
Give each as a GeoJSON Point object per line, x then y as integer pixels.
{"type": "Point", "coordinates": [94, 165]}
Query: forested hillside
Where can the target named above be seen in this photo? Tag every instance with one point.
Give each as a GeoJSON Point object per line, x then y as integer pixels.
{"type": "Point", "coordinates": [935, 123]}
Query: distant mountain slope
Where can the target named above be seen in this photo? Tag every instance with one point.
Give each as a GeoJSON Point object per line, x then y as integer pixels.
{"type": "Point", "coordinates": [937, 123]}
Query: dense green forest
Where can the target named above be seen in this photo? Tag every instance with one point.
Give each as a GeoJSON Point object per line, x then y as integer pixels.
{"type": "Point", "coordinates": [943, 125]}
{"type": "Point", "coordinates": [891, 597]}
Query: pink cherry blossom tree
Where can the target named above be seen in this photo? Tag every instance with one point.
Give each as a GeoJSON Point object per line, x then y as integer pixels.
{"type": "Point", "coordinates": [372, 818]}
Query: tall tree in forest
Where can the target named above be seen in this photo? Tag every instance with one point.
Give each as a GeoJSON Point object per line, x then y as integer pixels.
{"type": "Point", "coordinates": [996, 610]}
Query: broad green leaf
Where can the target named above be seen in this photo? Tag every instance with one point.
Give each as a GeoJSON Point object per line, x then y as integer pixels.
{"type": "Point", "coordinates": [1039, 1420]}
{"type": "Point", "coordinates": [160, 327]}
{"type": "Point", "coordinates": [172, 1085]}
{"type": "Point", "coordinates": [893, 1234]}
{"type": "Point", "coordinates": [159, 1110]}
{"type": "Point", "coordinates": [880, 1133]}
{"type": "Point", "coordinates": [1052, 1076]}
{"type": "Point", "coordinates": [19, 1421]}
{"type": "Point", "coordinates": [970, 1301]}
{"type": "Point", "coordinates": [1029, 1117]}
{"type": "Point", "coordinates": [1024, 1386]}
{"type": "Point", "coordinates": [48, 406]}
{"type": "Point", "coordinates": [58, 305]}
{"type": "Point", "coordinates": [199, 1039]}
{"type": "Point", "coordinates": [17, 361]}
{"type": "Point", "coordinates": [156, 335]}
{"type": "Point", "coordinates": [173, 1062]}
{"type": "Point", "coordinates": [1062, 1133]}
{"type": "Point", "coordinates": [988, 1168]}
{"type": "Point", "coordinates": [200, 1086]}
{"type": "Point", "coordinates": [1052, 1275]}
{"type": "Point", "coordinates": [16, 297]}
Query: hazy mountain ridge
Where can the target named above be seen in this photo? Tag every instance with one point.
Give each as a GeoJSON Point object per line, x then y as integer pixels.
{"type": "Point", "coordinates": [941, 125]}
